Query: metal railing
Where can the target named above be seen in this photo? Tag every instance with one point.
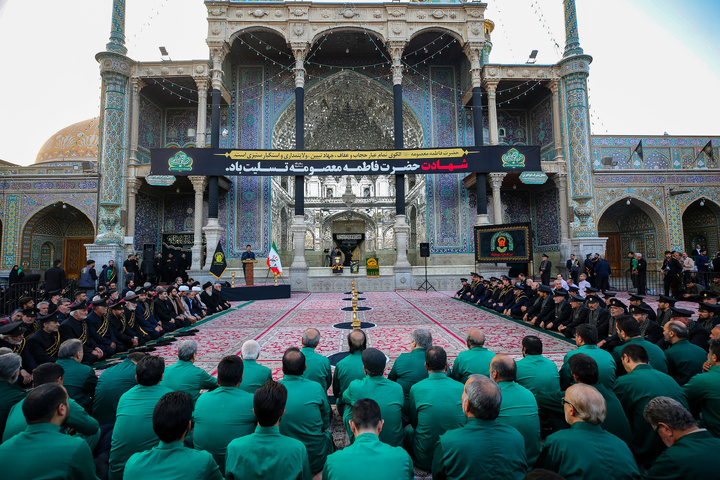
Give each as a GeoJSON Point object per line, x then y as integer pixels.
{"type": "Point", "coordinates": [623, 281]}
{"type": "Point", "coordinates": [11, 295]}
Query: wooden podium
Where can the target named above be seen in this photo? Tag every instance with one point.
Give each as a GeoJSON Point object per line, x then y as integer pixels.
{"type": "Point", "coordinates": [248, 264]}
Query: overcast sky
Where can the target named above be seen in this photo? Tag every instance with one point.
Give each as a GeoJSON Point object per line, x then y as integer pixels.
{"type": "Point", "coordinates": [655, 66]}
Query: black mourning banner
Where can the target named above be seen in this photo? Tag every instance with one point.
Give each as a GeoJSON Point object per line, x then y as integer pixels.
{"type": "Point", "coordinates": [219, 263]}
{"type": "Point", "coordinates": [347, 243]}
{"type": "Point", "coordinates": [210, 162]}
{"type": "Point", "coordinates": [508, 243]}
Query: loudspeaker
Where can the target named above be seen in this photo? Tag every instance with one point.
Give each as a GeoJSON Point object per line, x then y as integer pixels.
{"type": "Point", "coordinates": [424, 250]}
{"type": "Point", "coordinates": [148, 251]}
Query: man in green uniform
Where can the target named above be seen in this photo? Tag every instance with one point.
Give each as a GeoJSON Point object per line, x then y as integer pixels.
{"type": "Point", "coordinates": [690, 451]}
{"type": "Point", "coordinates": [133, 426]}
{"type": "Point", "coordinates": [387, 394]}
{"type": "Point", "coordinates": [44, 343]}
{"type": "Point", "coordinates": [268, 454]}
{"type": "Point", "coordinates": [435, 408]}
{"type": "Point", "coordinates": [78, 419]}
{"type": "Point", "coordinates": [476, 359]}
{"type": "Point", "coordinates": [225, 413]}
{"type": "Point", "coordinates": [535, 372]}
{"type": "Point", "coordinates": [629, 332]}
{"type": "Point", "coordinates": [703, 392]}
{"type": "Point", "coordinates": [186, 377]}
{"type": "Point", "coordinates": [409, 368]}
{"type": "Point", "coordinates": [368, 457]}
{"type": "Point", "coordinates": [111, 385]}
{"type": "Point", "coordinates": [582, 450]}
{"type": "Point", "coordinates": [519, 408]}
{"type": "Point", "coordinates": [318, 366]}
{"type": "Point", "coordinates": [349, 368]}
{"type": "Point", "coordinates": [584, 370]}
{"type": "Point", "coordinates": [10, 391]}
{"type": "Point", "coordinates": [685, 360]}
{"type": "Point", "coordinates": [503, 448]}
{"type": "Point", "coordinates": [586, 338]}
{"type": "Point", "coordinates": [42, 451]}
{"type": "Point", "coordinates": [254, 374]}
{"type": "Point", "coordinates": [635, 390]}
{"type": "Point", "coordinates": [171, 459]}
{"type": "Point", "coordinates": [307, 411]}
{"type": "Point", "coordinates": [79, 380]}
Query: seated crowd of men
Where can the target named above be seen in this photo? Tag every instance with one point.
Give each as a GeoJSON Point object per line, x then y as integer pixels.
{"type": "Point", "coordinates": [108, 323]}
{"type": "Point", "coordinates": [635, 410]}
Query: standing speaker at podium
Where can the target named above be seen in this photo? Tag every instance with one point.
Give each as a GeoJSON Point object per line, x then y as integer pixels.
{"type": "Point", "coordinates": [247, 255]}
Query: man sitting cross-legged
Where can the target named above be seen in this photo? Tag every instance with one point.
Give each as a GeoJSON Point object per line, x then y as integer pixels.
{"type": "Point", "coordinates": [171, 459]}
{"type": "Point", "coordinates": [368, 457]}
{"type": "Point", "coordinates": [266, 453]}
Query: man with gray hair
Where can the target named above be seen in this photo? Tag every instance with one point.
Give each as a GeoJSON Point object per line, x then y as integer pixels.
{"type": "Point", "coordinates": [690, 449]}
{"type": "Point", "coordinates": [476, 359]}
{"type": "Point", "coordinates": [409, 368]}
{"type": "Point", "coordinates": [254, 374]}
{"type": "Point", "coordinates": [581, 451]}
{"type": "Point", "coordinates": [502, 447]}
{"type": "Point", "coordinates": [79, 380]}
{"type": "Point", "coordinates": [10, 391]}
{"type": "Point", "coordinates": [186, 377]}
{"type": "Point", "coordinates": [685, 360]}
{"type": "Point", "coordinates": [317, 366]}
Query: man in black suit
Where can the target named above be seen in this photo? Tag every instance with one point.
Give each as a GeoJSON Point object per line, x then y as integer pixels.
{"type": "Point", "coordinates": [641, 273]}
{"type": "Point", "coordinates": [545, 270]}
{"type": "Point", "coordinates": [55, 277]}
{"type": "Point", "coordinates": [672, 269]}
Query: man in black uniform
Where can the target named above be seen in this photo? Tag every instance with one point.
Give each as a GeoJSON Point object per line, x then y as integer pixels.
{"type": "Point", "coordinates": [641, 273]}
{"type": "Point", "coordinates": [45, 343]}
{"type": "Point", "coordinates": [246, 255]}
{"type": "Point", "coordinates": [463, 289]}
{"type": "Point", "coordinates": [29, 318]}
{"type": "Point", "coordinates": [578, 316]}
{"type": "Point", "coordinates": [639, 301]}
{"type": "Point", "coordinates": [165, 313]}
{"type": "Point", "coordinates": [608, 334]}
{"type": "Point", "coordinates": [649, 330]}
{"type": "Point", "coordinates": [11, 336]}
{"type": "Point", "coordinates": [697, 334]}
{"type": "Point", "coordinates": [544, 308]}
{"type": "Point", "coordinates": [145, 315]}
{"type": "Point", "coordinates": [99, 328]}
{"type": "Point", "coordinates": [132, 325]}
{"type": "Point", "coordinates": [562, 311]}
{"type": "Point", "coordinates": [672, 269]}
{"type": "Point", "coordinates": [118, 324]}
{"type": "Point", "coordinates": [593, 292]}
{"type": "Point", "coordinates": [663, 312]}
{"type": "Point", "coordinates": [707, 316]}
{"type": "Point", "coordinates": [76, 327]}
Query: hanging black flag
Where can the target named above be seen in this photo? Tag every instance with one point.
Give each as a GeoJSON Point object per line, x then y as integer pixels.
{"type": "Point", "coordinates": [639, 151]}
{"type": "Point", "coordinates": [219, 262]}
{"type": "Point", "coordinates": [707, 150]}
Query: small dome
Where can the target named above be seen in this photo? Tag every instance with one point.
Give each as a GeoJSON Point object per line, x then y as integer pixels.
{"type": "Point", "coordinates": [79, 141]}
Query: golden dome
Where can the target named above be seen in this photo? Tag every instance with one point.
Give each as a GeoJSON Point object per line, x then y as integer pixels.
{"type": "Point", "coordinates": [79, 141]}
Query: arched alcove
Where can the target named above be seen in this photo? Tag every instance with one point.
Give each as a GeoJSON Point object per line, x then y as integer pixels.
{"type": "Point", "coordinates": [701, 225]}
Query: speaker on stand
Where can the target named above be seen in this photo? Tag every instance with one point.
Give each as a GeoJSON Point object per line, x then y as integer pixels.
{"type": "Point", "coordinates": [425, 253]}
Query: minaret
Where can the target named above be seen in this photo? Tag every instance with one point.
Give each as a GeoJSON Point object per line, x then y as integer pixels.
{"type": "Point", "coordinates": [574, 70]}
{"type": "Point", "coordinates": [115, 70]}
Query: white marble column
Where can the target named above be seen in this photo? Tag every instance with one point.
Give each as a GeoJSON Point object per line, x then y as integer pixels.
{"type": "Point", "coordinates": [557, 132]}
{"type": "Point", "coordinates": [133, 185]}
{"type": "Point", "coordinates": [200, 133]}
{"type": "Point", "coordinates": [496, 179]}
{"type": "Point", "coordinates": [490, 87]}
{"type": "Point", "coordinates": [137, 85]}
{"type": "Point", "coordinates": [199, 182]}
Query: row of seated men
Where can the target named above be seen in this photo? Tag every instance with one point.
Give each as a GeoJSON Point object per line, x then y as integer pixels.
{"type": "Point", "coordinates": [109, 324]}
{"type": "Point", "coordinates": [607, 415]}
{"type": "Point", "coordinates": [563, 311]}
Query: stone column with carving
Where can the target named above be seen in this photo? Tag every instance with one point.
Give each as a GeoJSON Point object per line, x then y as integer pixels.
{"type": "Point", "coordinates": [475, 52]}
{"type": "Point", "coordinates": [560, 180]}
{"type": "Point", "coordinates": [198, 183]}
{"type": "Point", "coordinates": [115, 70]}
{"type": "Point", "coordinates": [401, 228]}
{"type": "Point", "coordinates": [557, 130]}
{"type": "Point", "coordinates": [299, 267]}
{"type": "Point", "coordinates": [213, 230]}
{"type": "Point", "coordinates": [496, 179]}
{"type": "Point", "coordinates": [133, 186]}
{"type": "Point", "coordinates": [137, 85]}
{"type": "Point", "coordinates": [490, 88]}
{"type": "Point", "coordinates": [574, 70]}
{"type": "Point", "coordinates": [200, 135]}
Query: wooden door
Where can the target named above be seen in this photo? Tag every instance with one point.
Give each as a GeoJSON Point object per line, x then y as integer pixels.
{"type": "Point", "coordinates": [75, 256]}
{"type": "Point", "coordinates": [613, 254]}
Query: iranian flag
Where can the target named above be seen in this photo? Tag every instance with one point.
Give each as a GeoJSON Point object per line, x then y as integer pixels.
{"type": "Point", "coordinates": [273, 260]}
